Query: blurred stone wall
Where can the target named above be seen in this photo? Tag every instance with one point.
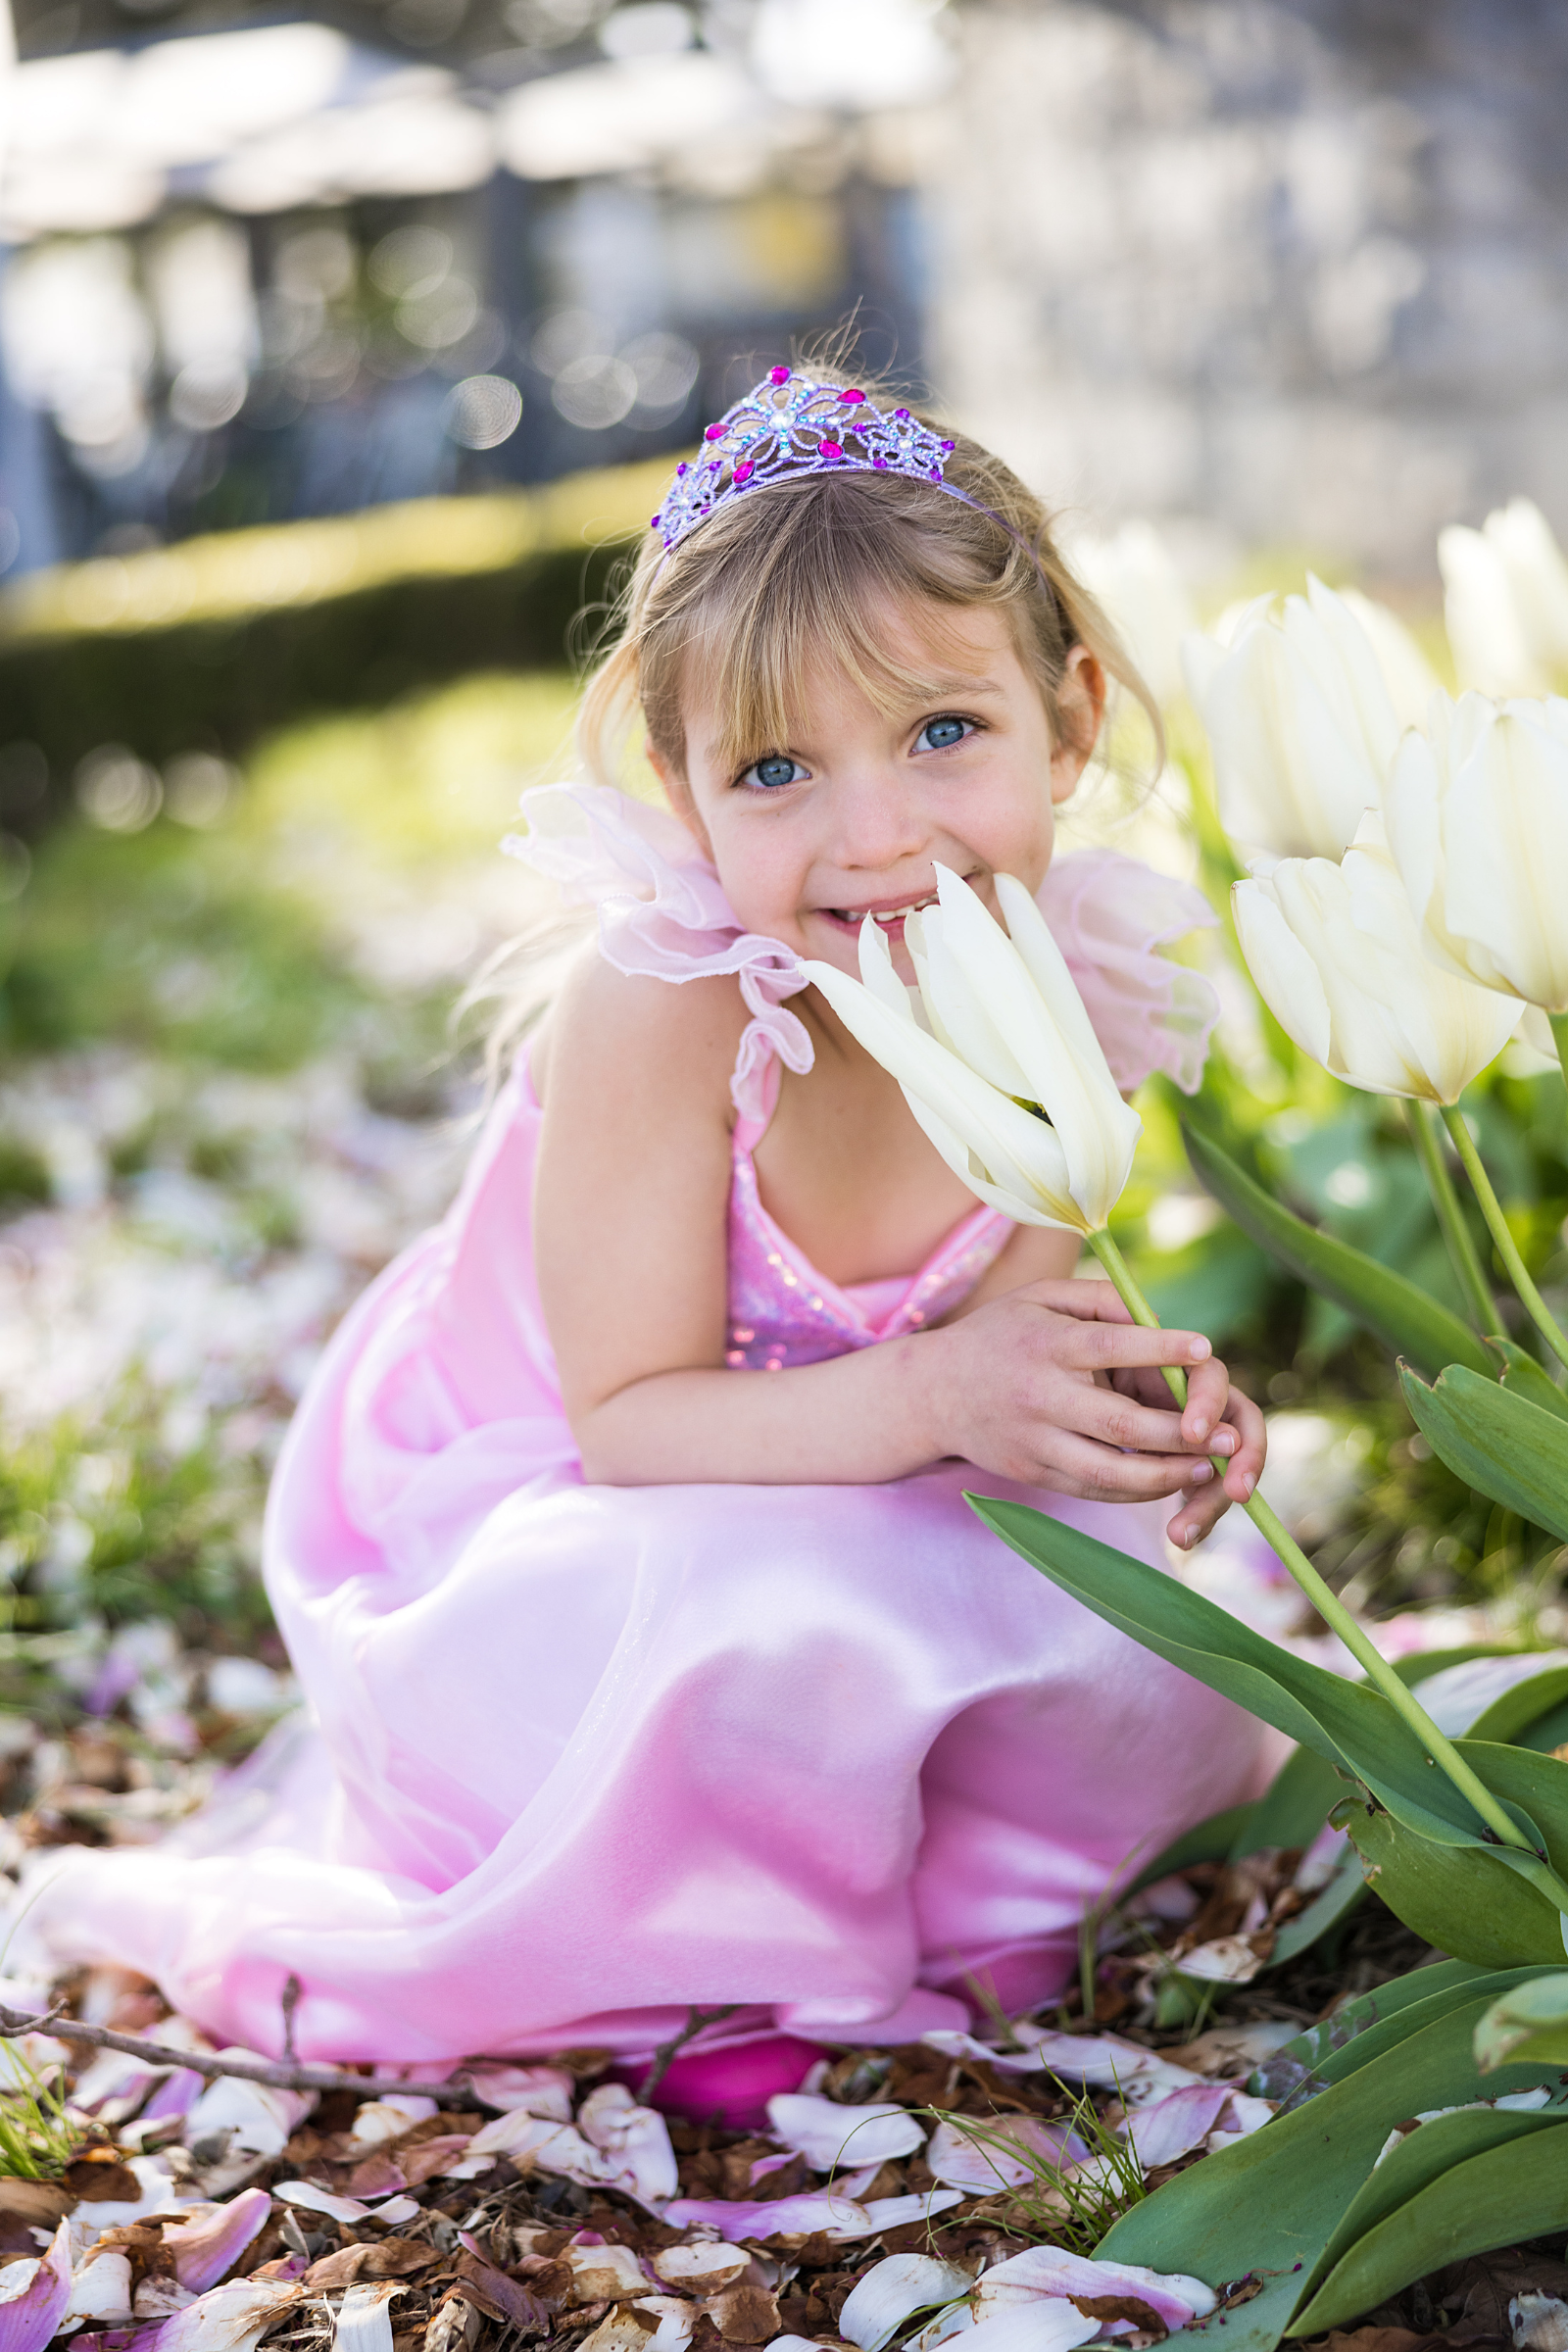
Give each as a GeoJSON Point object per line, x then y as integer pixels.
{"type": "Point", "coordinates": [1286, 272]}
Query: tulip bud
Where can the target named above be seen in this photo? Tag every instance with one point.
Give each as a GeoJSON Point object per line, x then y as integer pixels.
{"type": "Point", "coordinates": [1336, 956]}
{"type": "Point", "coordinates": [1506, 600]}
{"type": "Point", "coordinates": [1300, 721]}
{"type": "Point", "coordinates": [1477, 815]}
{"type": "Point", "coordinates": [1146, 598]}
{"type": "Point", "coordinates": [1008, 1080]}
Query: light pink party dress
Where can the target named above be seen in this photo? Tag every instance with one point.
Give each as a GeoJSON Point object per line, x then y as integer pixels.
{"type": "Point", "coordinates": [585, 1756]}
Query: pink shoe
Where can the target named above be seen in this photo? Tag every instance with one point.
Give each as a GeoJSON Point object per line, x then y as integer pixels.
{"type": "Point", "coordinates": [731, 2088]}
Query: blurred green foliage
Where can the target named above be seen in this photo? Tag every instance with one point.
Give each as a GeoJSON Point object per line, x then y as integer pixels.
{"type": "Point", "coordinates": [218, 643]}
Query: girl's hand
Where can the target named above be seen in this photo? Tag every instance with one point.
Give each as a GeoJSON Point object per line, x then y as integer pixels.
{"type": "Point", "coordinates": [1055, 1386]}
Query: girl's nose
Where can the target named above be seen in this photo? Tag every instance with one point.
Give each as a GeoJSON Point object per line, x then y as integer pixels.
{"type": "Point", "coordinates": [879, 823]}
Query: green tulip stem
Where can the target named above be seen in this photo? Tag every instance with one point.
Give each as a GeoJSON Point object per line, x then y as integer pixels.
{"type": "Point", "coordinates": [1422, 1121]}
{"type": "Point", "coordinates": [1560, 1038]}
{"type": "Point", "coordinates": [1507, 1248]}
{"type": "Point", "coordinates": [1326, 1602]}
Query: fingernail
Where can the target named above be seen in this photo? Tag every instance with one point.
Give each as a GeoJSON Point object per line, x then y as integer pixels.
{"type": "Point", "coordinates": [1199, 1431]}
{"type": "Point", "coordinates": [1225, 1441]}
{"type": "Point", "coordinates": [1249, 1482]}
{"type": "Point", "coordinates": [1199, 1352]}
{"type": "Point", "coordinates": [1201, 1471]}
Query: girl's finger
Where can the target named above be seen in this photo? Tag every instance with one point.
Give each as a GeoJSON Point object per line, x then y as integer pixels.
{"type": "Point", "coordinates": [1197, 1515]}
{"type": "Point", "coordinates": [1099, 1473]}
{"type": "Point", "coordinates": [1245, 1466]}
{"type": "Point", "coordinates": [1094, 1347]}
{"type": "Point", "coordinates": [1126, 1422]}
{"type": "Point", "coordinates": [1087, 1300]}
{"type": "Point", "coordinates": [1208, 1393]}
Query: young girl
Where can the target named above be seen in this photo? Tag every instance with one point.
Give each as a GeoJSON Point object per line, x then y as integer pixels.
{"type": "Point", "coordinates": [620, 1545]}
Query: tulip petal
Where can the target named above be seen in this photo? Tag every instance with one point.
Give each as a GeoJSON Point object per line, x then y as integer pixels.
{"type": "Point", "coordinates": [892, 2291]}
{"type": "Point", "coordinates": [1174, 2298]}
{"type": "Point", "coordinates": [1019, 1154]}
{"type": "Point", "coordinates": [1506, 835]}
{"type": "Point", "coordinates": [1000, 2152]}
{"type": "Point", "coordinates": [828, 2135]}
{"type": "Point", "coordinates": [635, 2141]}
{"type": "Point", "coordinates": [363, 2317]}
{"type": "Point", "coordinates": [209, 2243]}
{"type": "Point", "coordinates": [1038, 1011]}
{"type": "Point", "coordinates": [1292, 773]}
{"type": "Point", "coordinates": [102, 2289]}
{"type": "Point", "coordinates": [1287, 977]}
{"type": "Point", "coordinates": [35, 2294]}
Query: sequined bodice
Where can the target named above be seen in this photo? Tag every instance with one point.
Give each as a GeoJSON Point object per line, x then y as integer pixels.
{"type": "Point", "coordinates": [783, 1312]}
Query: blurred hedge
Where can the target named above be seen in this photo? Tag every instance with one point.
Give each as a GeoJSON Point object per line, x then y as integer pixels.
{"type": "Point", "coordinates": [211, 642]}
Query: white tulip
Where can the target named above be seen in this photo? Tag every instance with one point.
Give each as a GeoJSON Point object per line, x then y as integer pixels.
{"type": "Point", "coordinates": [1134, 576]}
{"type": "Point", "coordinates": [1407, 674]}
{"type": "Point", "coordinates": [1336, 956]}
{"type": "Point", "coordinates": [1301, 720]}
{"type": "Point", "coordinates": [1009, 1080]}
{"type": "Point", "coordinates": [1506, 600]}
{"type": "Point", "coordinates": [1477, 814]}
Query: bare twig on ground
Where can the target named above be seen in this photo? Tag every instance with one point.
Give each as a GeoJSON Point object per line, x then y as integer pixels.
{"type": "Point", "coordinates": [696, 2021]}
{"type": "Point", "coordinates": [279, 2075]}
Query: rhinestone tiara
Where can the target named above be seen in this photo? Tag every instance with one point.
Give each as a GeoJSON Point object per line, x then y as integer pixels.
{"type": "Point", "coordinates": [791, 425]}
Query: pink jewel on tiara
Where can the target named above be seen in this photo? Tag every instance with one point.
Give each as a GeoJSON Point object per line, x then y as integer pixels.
{"type": "Point", "coordinates": [791, 425]}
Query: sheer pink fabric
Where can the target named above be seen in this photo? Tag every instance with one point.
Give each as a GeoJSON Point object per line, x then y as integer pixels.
{"type": "Point", "coordinates": [583, 1756]}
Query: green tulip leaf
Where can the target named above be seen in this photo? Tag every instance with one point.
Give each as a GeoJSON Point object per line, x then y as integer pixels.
{"type": "Point", "coordinates": [1537, 1701]}
{"type": "Point", "coordinates": [1349, 1723]}
{"type": "Point", "coordinates": [1210, 1841]}
{"type": "Point", "coordinates": [1331, 1904]}
{"type": "Point", "coordinates": [1294, 1807]}
{"type": "Point", "coordinates": [1485, 2182]}
{"type": "Point", "coordinates": [1402, 1315]}
{"type": "Point", "coordinates": [1529, 2023]}
{"type": "Point", "coordinates": [1457, 1897]}
{"type": "Point", "coordinates": [1274, 2200]}
{"type": "Point", "coordinates": [1496, 1442]}
{"type": "Point", "coordinates": [1523, 1377]}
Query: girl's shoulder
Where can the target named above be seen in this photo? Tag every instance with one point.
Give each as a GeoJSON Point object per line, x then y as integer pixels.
{"type": "Point", "coordinates": [641, 1037]}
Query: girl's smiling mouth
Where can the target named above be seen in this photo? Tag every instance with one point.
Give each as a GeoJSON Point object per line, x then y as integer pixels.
{"type": "Point", "coordinates": [888, 915]}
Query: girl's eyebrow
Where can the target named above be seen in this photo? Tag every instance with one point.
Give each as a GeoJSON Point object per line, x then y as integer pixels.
{"type": "Point", "coordinates": [961, 689]}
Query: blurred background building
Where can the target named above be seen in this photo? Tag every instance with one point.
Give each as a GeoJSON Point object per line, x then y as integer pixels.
{"type": "Point", "coordinates": [1280, 272]}
{"type": "Point", "coordinates": [266, 269]}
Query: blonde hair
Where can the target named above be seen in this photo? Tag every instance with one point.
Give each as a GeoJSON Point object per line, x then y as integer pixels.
{"type": "Point", "coordinates": [750, 599]}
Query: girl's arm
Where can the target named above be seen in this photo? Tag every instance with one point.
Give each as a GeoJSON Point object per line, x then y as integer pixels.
{"type": "Point", "coordinates": [630, 1214]}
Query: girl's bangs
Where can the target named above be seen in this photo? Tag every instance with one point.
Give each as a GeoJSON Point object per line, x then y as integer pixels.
{"type": "Point", "coordinates": [857, 612]}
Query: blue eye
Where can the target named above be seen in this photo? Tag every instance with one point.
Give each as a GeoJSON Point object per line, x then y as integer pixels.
{"type": "Point", "coordinates": [776, 769]}
{"type": "Point", "coordinates": [939, 734]}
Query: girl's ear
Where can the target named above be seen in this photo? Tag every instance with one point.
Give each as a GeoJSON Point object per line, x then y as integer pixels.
{"type": "Point", "coordinates": [1080, 708]}
{"type": "Point", "coordinates": [679, 793]}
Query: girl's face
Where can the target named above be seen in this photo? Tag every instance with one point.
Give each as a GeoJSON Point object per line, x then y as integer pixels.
{"type": "Point", "coordinates": [855, 812]}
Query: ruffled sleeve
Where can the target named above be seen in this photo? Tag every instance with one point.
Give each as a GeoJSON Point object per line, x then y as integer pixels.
{"type": "Point", "coordinates": [1110, 915]}
{"type": "Point", "coordinates": [662, 915]}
